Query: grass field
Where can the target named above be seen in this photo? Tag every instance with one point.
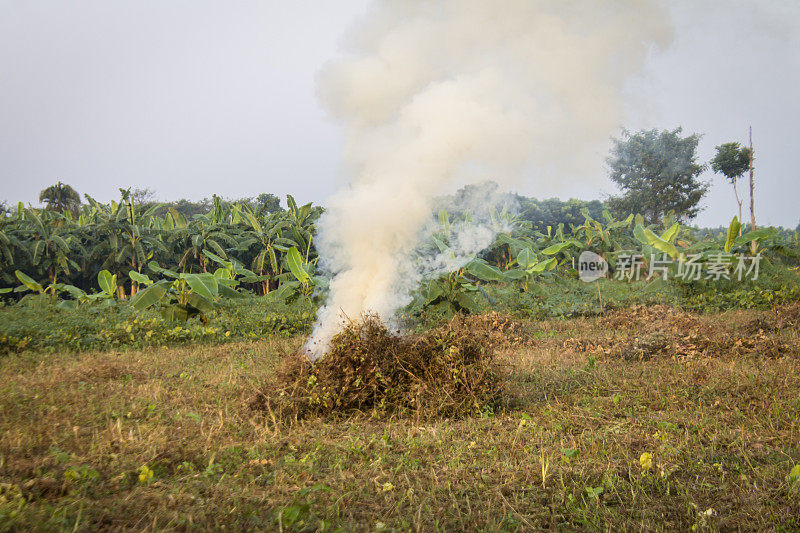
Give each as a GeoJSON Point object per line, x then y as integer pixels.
{"type": "Point", "coordinates": [648, 418]}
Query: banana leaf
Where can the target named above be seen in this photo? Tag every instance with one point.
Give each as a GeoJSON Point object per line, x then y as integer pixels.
{"type": "Point", "coordinates": [151, 295]}
{"type": "Point", "coordinates": [733, 232]}
{"type": "Point", "coordinates": [107, 282]}
{"type": "Point", "coordinates": [203, 284]}
{"type": "Point", "coordinates": [296, 265]}
{"type": "Point", "coordinates": [28, 282]}
{"type": "Point", "coordinates": [484, 271]}
{"type": "Point", "coordinates": [647, 237]}
{"type": "Point", "coordinates": [526, 258]}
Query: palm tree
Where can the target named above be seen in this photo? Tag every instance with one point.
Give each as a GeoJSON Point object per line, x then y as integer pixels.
{"type": "Point", "coordinates": [61, 197]}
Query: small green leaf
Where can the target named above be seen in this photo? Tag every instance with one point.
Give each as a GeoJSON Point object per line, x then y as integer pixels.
{"type": "Point", "coordinates": [434, 290]}
{"type": "Point", "coordinates": [107, 282]}
{"type": "Point", "coordinates": [75, 292]}
{"type": "Point", "coordinates": [526, 258]}
{"type": "Point", "coordinates": [440, 245]}
{"type": "Point", "coordinates": [444, 221]}
{"type": "Point", "coordinates": [757, 235]}
{"type": "Point", "coordinates": [155, 267]}
{"type": "Point", "coordinates": [512, 241]}
{"type": "Point", "coordinates": [794, 474]}
{"type": "Point", "coordinates": [140, 278]}
{"type": "Point", "coordinates": [217, 259]}
{"type": "Point", "coordinates": [550, 264]}
{"type": "Point", "coordinates": [466, 302]}
{"type": "Point", "coordinates": [286, 290]}
{"type": "Point", "coordinates": [229, 292]}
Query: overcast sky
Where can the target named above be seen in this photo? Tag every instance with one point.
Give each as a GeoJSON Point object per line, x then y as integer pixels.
{"type": "Point", "coordinates": [202, 97]}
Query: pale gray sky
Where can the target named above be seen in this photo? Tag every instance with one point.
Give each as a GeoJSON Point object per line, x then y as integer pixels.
{"type": "Point", "coordinates": [202, 97]}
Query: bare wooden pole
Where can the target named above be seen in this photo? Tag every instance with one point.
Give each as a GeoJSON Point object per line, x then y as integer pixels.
{"type": "Point", "coordinates": [752, 208]}
{"type": "Point", "coordinates": [738, 200]}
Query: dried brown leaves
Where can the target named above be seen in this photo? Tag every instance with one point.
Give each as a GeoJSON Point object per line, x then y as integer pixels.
{"type": "Point", "coordinates": [450, 371]}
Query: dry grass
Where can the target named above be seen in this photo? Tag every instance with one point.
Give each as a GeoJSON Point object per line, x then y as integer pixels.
{"type": "Point", "coordinates": [449, 371]}
{"type": "Point", "coordinates": [721, 424]}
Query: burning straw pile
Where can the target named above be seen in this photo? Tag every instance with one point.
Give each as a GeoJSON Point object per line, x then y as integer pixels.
{"type": "Point", "coordinates": [450, 371]}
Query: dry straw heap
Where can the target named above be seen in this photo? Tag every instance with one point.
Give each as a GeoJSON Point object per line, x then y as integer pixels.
{"type": "Point", "coordinates": [450, 371]}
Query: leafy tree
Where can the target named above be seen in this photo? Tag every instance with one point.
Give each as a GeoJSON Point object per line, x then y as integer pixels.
{"type": "Point", "coordinates": [732, 161]}
{"type": "Point", "coordinates": [62, 198]}
{"type": "Point", "coordinates": [658, 172]}
{"type": "Point", "coordinates": [267, 203]}
{"type": "Point", "coordinates": [143, 196]}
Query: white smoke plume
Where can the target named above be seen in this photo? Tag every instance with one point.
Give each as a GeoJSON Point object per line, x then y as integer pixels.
{"type": "Point", "coordinates": [437, 93]}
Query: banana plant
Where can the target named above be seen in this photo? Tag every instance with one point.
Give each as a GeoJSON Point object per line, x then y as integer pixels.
{"type": "Point", "coordinates": [106, 281]}
{"type": "Point", "coordinates": [106, 296]}
{"type": "Point", "coordinates": [199, 238]}
{"type": "Point", "coordinates": [46, 248]}
{"type": "Point", "coordinates": [265, 238]}
{"type": "Point", "coordinates": [30, 284]}
{"type": "Point", "coordinates": [528, 266]}
{"type": "Point", "coordinates": [10, 247]}
{"type": "Point", "coordinates": [757, 241]}
{"type": "Point", "coordinates": [124, 244]}
{"type": "Point", "coordinates": [449, 294]}
{"type": "Point", "coordinates": [302, 217]}
{"type": "Point", "coordinates": [604, 239]}
{"type": "Point", "coordinates": [181, 296]}
{"type": "Point", "coordinates": [300, 227]}
{"type": "Point", "coordinates": [663, 243]}
{"type": "Point", "coordinates": [456, 291]}
{"type": "Point", "coordinates": [303, 282]}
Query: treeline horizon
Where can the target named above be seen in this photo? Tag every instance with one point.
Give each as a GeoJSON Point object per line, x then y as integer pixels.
{"type": "Point", "coordinates": [540, 212]}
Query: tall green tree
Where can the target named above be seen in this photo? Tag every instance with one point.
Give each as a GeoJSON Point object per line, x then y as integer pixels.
{"type": "Point", "coordinates": [732, 160]}
{"type": "Point", "coordinates": [658, 173]}
{"type": "Point", "coordinates": [267, 203]}
{"type": "Point", "coordinates": [62, 198]}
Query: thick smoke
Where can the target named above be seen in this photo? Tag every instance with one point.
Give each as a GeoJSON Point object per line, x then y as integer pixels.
{"type": "Point", "coordinates": [436, 94]}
